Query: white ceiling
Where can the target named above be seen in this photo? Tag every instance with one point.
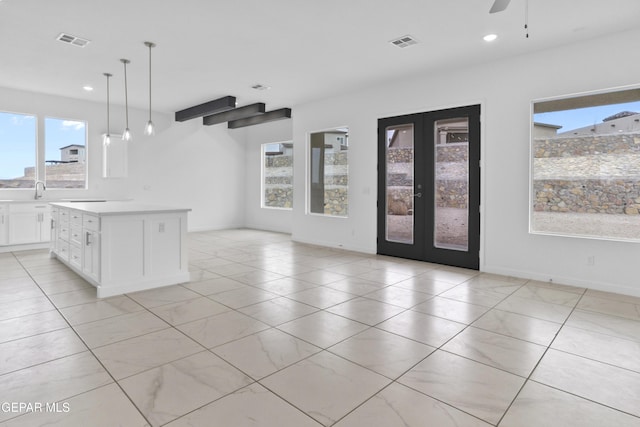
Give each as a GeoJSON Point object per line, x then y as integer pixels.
{"type": "Point", "coordinates": [303, 49]}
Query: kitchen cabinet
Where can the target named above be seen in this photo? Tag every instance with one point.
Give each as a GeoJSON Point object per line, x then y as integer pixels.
{"type": "Point", "coordinates": [4, 223]}
{"type": "Point", "coordinates": [122, 247]}
{"type": "Point", "coordinates": [29, 223]}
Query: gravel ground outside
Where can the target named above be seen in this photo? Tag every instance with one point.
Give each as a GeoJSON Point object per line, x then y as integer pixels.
{"type": "Point", "coordinates": [586, 224]}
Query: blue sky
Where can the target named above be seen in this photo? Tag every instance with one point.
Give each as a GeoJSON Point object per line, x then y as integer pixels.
{"type": "Point", "coordinates": [18, 141]}
{"type": "Point", "coordinates": [581, 117]}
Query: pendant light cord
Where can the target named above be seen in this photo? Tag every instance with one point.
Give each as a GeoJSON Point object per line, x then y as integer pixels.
{"type": "Point", "coordinates": [126, 95]}
{"type": "Point", "coordinates": [150, 46]}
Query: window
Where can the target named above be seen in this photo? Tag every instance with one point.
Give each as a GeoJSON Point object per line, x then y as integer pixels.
{"type": "Point", "coordinates": [329, 172]}
{"type": "Point", "coordinates": [63, 146]}
{"type": "Point", "coordinates": [586, 166]}
{"type": "Point", "coordinates": [65, 159]}
{"type": "Point", "coordinates": [277, 175]}
{"type": "Point", "coordinates": [17, 150]}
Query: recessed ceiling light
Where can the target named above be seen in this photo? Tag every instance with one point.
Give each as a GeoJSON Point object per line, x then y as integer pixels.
{"type": "Point", "coordinates": [87, 87]}
{"type": "Point", "coordinates": [490, 37]}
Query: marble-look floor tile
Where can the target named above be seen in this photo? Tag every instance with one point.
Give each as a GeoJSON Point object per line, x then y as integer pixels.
{"type": "Point", "coordinates": [321, 297]}
{"type": "Point", "coordinates": [65, 286]}
{"type": "Point", "coordinates": [231, 269]}
{"type": "Point", "coordinates": [451, 309]}
{"type": "Point", "coordinates": [68, 299]}
{"type": "Point", "coordinates": [285, 286]}
{"type": "Point", "coordinates": [199, 275]}
{"type": "Point", "coordinates": [53, 381]}
{"type": "Point", "coordinates": [450, 275]}
{"type": "Point", "coordinates": [25, 307]}
{"type": "Point", "coordinates": [539, 405]}
{"type": "Point", "coordinates": [426, 285]}
{"type": "Point", "coordinates": [322, 329]}
{"type": "Point", "coordinates": [222, 328]}
{"type": "Point", "coordinates": [256, 277]}
{"type": "Point", "coordinates": [399, 406]}
{"type": "Point", "coordinates": [385, 353]}
{"type": "Point", "coordinates": [430, 330]}
{"type": "Point", "coordinates": [214, 286]}
{"type": "Point", "coordinates": [189, 310]}
{"type": "Point", "coordinates": [278, 310]}
{"type": "Point", "coordinates": [629, 310]}
{"type": "Point", "coordinates": [401, 297]}
{"type": "Point", "coordinates": [19, 292]}
{"type": "Point", "coordinates": [129, 357]}
{"type": "Point", "coordinates": [325, 386]}
{"type": "Point", "coordinates": [557, 286]}
{"type": "Point", "coordinates": [349, 269]}
{"type": "Point", "coordinates": [251, 406]}
{"type": "Point", "coordinates": [545, 294]}
{"type": "Point", "coordinates": [502, 352]}
{"type": "Point", "coordinates": [100, 309]}
{"type": "Point", "coordinates": [470, 295]}
{"type": "Point", "coordinates": [58, 276]}
{"type": "Point", "coordinates": [477, 389]}
{"type": "Point", "coordinates": [596, 381]}
{"type": "Point", "coordinates": [288, 268]}
{"type": "Point", "coordinates": [161, 296]}
{"type": "Point", "coordinates": [538, 309]}
{"type": "Point", "coordinates": [25, 352]}
{"type": "Point", "coordinates": [356, 286]}
{"type": "Point", "coordinates": [603, 348]}
{"type": "Point", "coordinates": [266, 352]}
{"type": "Point", "coordinates": [114, 329]}
{"type": "Point", "coordinates": [605, 324]}
{"type": "Point", "coordinates": [364, 310]}
{"type": "Point", "coordinates": [612, 296]}
{"type": "Point", "coordinates": [385, 276]}
{"type": "Point", "coordinates": [106, 406]}
{"type": "Point", "coordinates": [172, 390]}
{"type": "Point", "coordinates": [320, 277]}
{"type": "Point", "coordinates": [239, 298]}
{"type": "Point", "coordinates": [32, 324]}
{"type": "Point", "coordinates": [519, 326]}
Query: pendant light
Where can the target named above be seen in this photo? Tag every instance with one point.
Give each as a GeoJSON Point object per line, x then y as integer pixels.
{"type": "Point", "coordinates": [149, 128]}
{"type": "Point", "coordinates": [126, 135]}
{"type": "Point", "coordinates": [107, 137]}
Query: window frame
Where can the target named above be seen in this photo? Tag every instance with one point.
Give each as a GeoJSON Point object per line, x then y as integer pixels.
{"type": "Point", "coordinates": [309, 171]}
{"type": "Point", "coordinates": [263, 168]}
{"type": "Point", "coordinates": [570, 102]}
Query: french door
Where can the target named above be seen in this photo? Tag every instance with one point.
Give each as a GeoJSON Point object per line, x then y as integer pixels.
{"type": "Point", "coordinates": [429, 186]}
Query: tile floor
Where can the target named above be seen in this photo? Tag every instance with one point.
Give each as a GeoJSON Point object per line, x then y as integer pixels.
{"type": "Point", "coordinates": [275, 333]}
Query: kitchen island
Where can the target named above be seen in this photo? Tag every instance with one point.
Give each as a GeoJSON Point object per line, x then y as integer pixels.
{"type": "Point", "coordinates": [121, 247]}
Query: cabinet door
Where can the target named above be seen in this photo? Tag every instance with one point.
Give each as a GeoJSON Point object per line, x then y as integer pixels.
{"type": "Point", "coordinates": [24, 227]}
{"type": "Point", "coordinates": [45, 226]}
{"type": "Point", "coordinates": [3, 229]}
{"type": "Point", "coordinates": [91, 254]}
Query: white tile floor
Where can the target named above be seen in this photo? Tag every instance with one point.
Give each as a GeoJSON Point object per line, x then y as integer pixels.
{"type": "Point", "coordinates": [275, 333]}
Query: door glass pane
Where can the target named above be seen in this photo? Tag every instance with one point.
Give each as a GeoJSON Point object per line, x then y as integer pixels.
{"type": "Point", "coordinates": [451, 190]}
{"type": "Point", "coordinates": [399, 183]}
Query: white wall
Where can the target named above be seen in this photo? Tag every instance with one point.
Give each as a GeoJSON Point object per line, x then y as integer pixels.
{"type": "Point", "coordinates": [256, 216]}
{"type": "Point", "coordinates": [505, 90]}
{"type": "Point", "coordinates": [184, 164]}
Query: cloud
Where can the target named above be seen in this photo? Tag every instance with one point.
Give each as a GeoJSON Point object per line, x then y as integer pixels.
{"type": "Point", "coordinates": [71, 124]}
{"type": "Point", "coordinates": [18, 120]}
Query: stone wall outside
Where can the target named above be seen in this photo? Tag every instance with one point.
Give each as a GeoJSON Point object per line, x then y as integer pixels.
{"type": "Point", "coordinates": [587, 174]}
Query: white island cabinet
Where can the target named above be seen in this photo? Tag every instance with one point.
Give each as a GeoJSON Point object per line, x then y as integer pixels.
{"type": "Point", "coordinates": [121, 247]}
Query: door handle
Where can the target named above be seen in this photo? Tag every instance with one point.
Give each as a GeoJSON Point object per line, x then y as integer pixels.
{"type": "Point", "coordinates": [418, 195]}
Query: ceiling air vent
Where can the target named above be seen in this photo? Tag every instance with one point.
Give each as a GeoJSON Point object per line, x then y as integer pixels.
{"type": "Point", "coordinates": [259, 86]}
{"type": "Point", "coordinates": [69, 39]}
{"type": "Point", "coordinates": [404, 41]}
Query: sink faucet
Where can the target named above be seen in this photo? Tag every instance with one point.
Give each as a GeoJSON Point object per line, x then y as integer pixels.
{"type": "Point", "coordinates": [44, 187]}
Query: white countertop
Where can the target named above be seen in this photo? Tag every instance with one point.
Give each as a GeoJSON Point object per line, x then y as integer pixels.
{"type": "Point", "coordinates": [118, 208]}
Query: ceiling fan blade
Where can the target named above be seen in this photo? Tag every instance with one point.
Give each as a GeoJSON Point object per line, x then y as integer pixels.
{"type": "Point", "coordinates": [499, 6]}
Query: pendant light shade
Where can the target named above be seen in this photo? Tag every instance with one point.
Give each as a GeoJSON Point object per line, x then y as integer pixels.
{"type": "Point", "coordinates": [126, 135]}
{"type": "Point", "coordinates": [149, 128]}
{"type": "Point", "coordinates": [107, 137]}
